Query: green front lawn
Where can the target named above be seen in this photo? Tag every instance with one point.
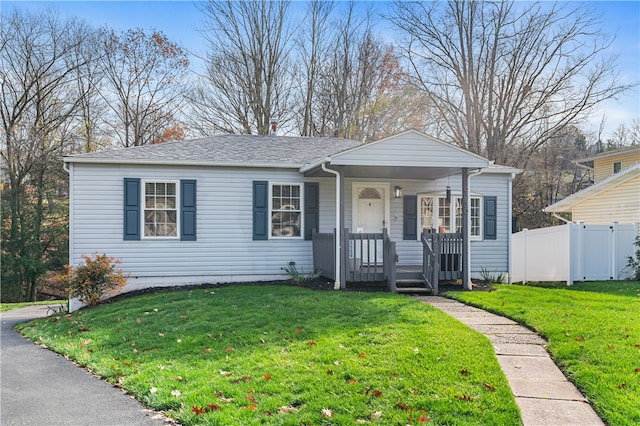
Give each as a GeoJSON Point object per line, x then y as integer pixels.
{"type": "Point", "coordinates": [593, 331]}
{"type": "Point", "coordinates": [286, 355]}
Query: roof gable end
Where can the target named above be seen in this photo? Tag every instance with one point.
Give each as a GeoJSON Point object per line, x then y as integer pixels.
{"type": "Point", "coordinates": [409, 149]}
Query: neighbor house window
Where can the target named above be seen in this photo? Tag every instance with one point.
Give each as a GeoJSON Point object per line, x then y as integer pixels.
{"type": "Point", "coordinates": [617, 166]}
{"type": "Point", "coordinates": [286, 210]}
{"type": "Point", "coordinates": [160, 209]}
{"type": "Point", "coordinates": [437, 214]}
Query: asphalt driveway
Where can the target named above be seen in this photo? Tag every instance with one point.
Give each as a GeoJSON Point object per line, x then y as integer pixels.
{"type": "Point", "coordinates": [40, 387]}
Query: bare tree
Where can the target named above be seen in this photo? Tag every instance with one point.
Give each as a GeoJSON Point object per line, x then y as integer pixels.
{"type": "Point", "coordinates": [314, 45]}
{"type": "Point", "coordinates": [144, 74]}
{"type": "Point", "coordinates": [506, 74]}
{"type": "Point", "coordinates": [39, 62]}
{"type": "Point", "coordinates": [248, 80]}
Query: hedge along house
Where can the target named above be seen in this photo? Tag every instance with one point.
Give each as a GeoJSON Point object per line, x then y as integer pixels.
{"type": "Point", "coordinates": [239, 208]}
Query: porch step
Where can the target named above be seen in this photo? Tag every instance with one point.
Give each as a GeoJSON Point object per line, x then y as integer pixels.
{"type": "Point", "coordinates": [413, 290]}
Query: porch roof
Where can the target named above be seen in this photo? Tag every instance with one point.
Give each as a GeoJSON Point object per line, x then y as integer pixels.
{"type": "Point", "coordinates": [408, 155]}
{"type": "Point", "coordinates": [567, 204]}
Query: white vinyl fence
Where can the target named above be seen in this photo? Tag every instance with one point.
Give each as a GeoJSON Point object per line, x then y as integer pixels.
{"type": "Point", "coordinates": [573, 252]}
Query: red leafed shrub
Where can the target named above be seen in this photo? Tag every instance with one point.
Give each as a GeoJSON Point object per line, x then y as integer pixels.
{"type": "Point", "coordinates": [96, 279]}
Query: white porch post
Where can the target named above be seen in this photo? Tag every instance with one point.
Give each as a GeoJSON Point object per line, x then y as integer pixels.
{"type": "Point", "coordinates": [466, 228]}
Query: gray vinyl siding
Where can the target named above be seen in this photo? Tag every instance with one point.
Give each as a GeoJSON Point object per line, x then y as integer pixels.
{"type": "Point", "coordinates": [224, 250]}
{"type": "Point", "coordinates": [493, 255]}
{"type": "Point", "coordinates": [409, 149]}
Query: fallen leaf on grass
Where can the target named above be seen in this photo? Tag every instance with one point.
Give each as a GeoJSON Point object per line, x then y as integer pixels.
{"type": "Point", "coordinates": [153, 390]}
{"type": "Point", "coordinates": [250, 407]}
{"type": "Point", "coordinates": [362, 355]}
{"type": "Point", "coordinates": [226, 373]}
{"type": "Point", "coordinates": [176, 393]}
{"type": "Point", "coordinates": [298, 330]}
{"type": "Point", "coordinates": [330, 372]}
{"type": "Point", "coordinates": [403, 406]}
{"type": "Point", "coordinates": [229, 349]}
{"type": "Point", "coordinates": [198, 410]}
{"type": "Point", "coordinates": [637, 370]}
{"type": "Point", "coordinates": [327, 413]}
{"type": "Point", "coordinates": [287, 410]}
{"type": "Point", "coordinates": [311, 343]}
{"type": "Point", "coordinates": [464, 397]}
{"type": "Point", "coordinates": [423, 418]}
{"type": "Point", "coordinates": [213, 407]}
{"type": "Point", "coordinates": [488, 387]}
{"type": "Point", "coordinates": [267, 376]}
{"type": "Point", "coordinates": [208, 350]}
{"type": "Point", "coordinates": [622, 385]}
{"type": "Point", "coordinates": [376, 415]}
{"type": "Point", "coordinates": [579, 339]}
{"type": "Point", "coordinates": [465, 372]}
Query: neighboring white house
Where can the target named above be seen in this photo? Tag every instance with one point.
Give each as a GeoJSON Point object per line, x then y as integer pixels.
{"type": "Point", "coordinates": [237, 208]}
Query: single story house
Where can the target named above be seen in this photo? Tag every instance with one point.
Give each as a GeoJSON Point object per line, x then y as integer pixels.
{"type": "Point", "coordinates": [239, 208]}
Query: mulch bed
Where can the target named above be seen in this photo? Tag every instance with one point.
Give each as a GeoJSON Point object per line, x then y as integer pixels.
{"type": "Point", "coordinates": [319, 284]}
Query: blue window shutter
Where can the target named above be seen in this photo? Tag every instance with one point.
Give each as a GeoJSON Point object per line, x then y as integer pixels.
{"type": "Point", "coordinates": [311, 208]}
{"type": "Point", "coordinates": [260, 209]}
{"type": "Point", "coordinates": [410, 219]}
{"type": "Point", "coordinates": [131, 209]}
{"type": "Point", "coordinates": [188, 210]}
{"type": "Point", "coordinates": [490, 218]}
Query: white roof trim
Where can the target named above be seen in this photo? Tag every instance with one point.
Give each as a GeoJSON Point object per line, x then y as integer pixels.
{"type": "Point", "coordinates": [613, 153]}
{"type": "Point", "coordinates": [566, 204]}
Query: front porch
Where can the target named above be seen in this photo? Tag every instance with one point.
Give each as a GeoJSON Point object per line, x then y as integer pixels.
{"type": "Point", "coordinates": [372, 257]}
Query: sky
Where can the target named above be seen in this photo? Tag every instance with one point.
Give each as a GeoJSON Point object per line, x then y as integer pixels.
{"type": "Point", "coordinates": [181, 21]}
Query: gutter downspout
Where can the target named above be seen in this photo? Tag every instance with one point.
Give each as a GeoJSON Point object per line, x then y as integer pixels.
{"type": "Point", "coordinates": [467, 238]}
{"type": "Point", "coordinates": [72, 304]}
{"type": "Point", "coordinates": [338, 247]}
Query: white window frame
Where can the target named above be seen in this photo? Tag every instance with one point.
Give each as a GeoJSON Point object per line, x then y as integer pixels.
{"type": "Point", "coordinates": [144, 208]}
{"type": "Point", "coordinates": [452, 212]}
{"type": "Point", "coordinates": [270, 212]}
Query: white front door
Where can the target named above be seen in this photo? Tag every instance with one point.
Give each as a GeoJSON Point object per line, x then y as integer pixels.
{"type": "Point", "coordinates": [370, 215]}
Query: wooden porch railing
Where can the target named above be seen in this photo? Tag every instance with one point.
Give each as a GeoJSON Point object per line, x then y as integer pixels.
{"type": "Point", "coordinates": [324, 258]}
{"type": "Point", "coordinates": [441, 257]}
{"type": "Point", "coordinates": [368, 257]}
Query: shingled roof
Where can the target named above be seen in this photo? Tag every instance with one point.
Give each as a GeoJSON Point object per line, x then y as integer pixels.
{"type": "Point", "coordinates": [226, 150]}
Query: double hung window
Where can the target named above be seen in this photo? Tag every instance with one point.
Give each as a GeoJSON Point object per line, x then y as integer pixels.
{"type": "Point", "coordinates": [442, 215]}
{"type": "Point", "coordinates": [160, 209]}
{"type": "Point", "coordinates": [286, 210]}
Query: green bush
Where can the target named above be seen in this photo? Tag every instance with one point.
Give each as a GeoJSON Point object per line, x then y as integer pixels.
{"type": "Point", "coordinates": [96, 279]}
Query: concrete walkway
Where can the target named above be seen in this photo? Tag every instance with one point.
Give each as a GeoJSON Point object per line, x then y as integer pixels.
{"type": "Point", "coordinates": [543, 394]}
{"type": "Point", "coordinates": [40, 387]}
